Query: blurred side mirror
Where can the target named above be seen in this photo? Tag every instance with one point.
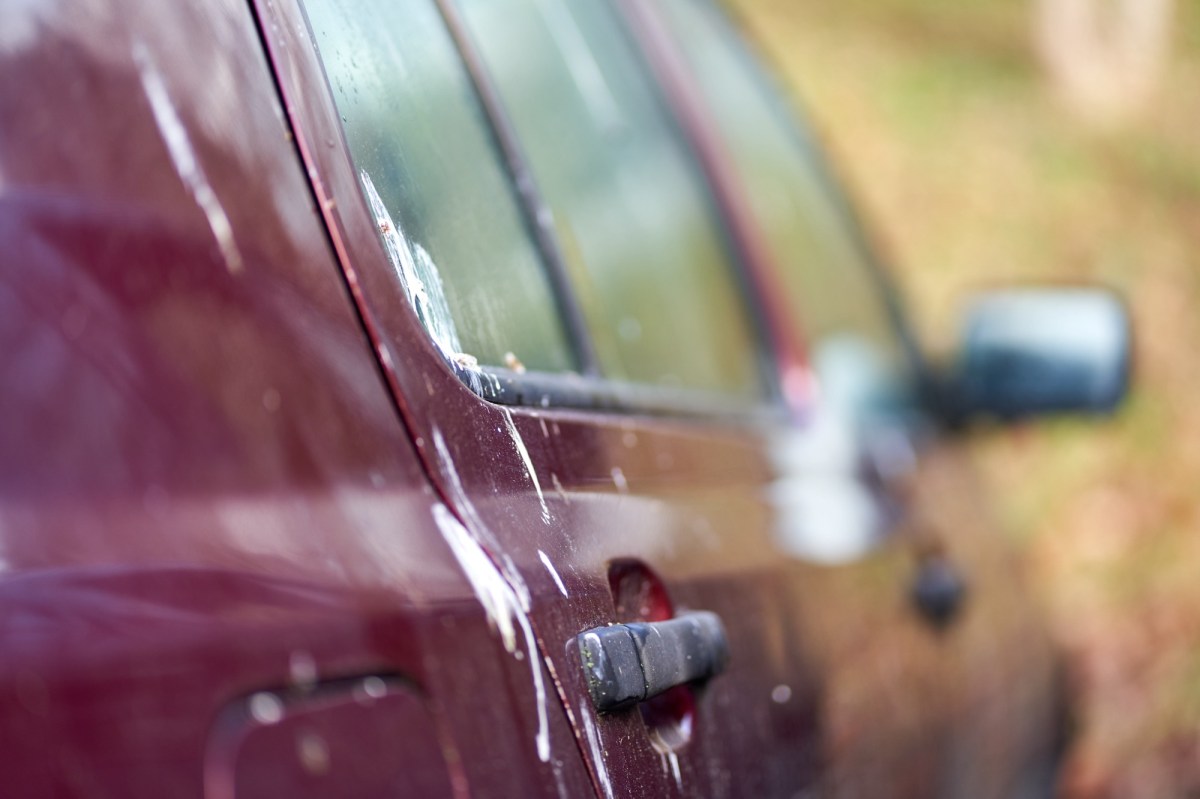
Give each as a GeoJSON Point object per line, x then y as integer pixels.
{"type": "Point", "coordinates": [1033, 352]}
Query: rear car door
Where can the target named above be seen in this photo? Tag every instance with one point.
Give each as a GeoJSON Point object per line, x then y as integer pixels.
{"type": "Point", "coordinates": [220, 568]}
{"type": "Point", "coordinates": [600, 451]}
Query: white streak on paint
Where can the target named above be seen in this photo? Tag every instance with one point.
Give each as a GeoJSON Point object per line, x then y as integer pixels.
{"type": "Point", "coordinates": [560, 786]}
{"type": "Point", "coordinates": [519, 444]}
{"type": "Point", "coordinates": [183, 156]}
{"type": "Point", "coordinates": [558, 486]}
{"type": "Point", "coordinates": [474, 523]}
{"type": "Point", "coordinates": [481, 536]}
{"type": "Point", "coordinates": [458, 493]}
{"type": "Point", "coordinates": [503, 606]}
{"type": "Point", "coordinates": [673, 759]}
{"type": "Point", "coordinates": [618, 478]}
{"type": "Point", "coordinates": [535, 666]}
{"type": "Point", "coordinates": [562, 589]}
{"type": "Point", "coordinates": [492, 590]}
{"type": "Point", "coordinates": [589, 729]}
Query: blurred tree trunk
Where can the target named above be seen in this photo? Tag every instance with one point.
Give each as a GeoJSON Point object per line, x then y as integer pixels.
{"type": "Point", "coordinates": [1106, 57]}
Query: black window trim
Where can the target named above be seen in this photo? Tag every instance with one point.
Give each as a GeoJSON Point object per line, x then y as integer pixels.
{"type": "Point", "coordinates": [567, 390]}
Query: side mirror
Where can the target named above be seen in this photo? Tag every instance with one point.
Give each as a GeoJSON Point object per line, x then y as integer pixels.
{"type": "Point", "coordinates": [1034, 352]}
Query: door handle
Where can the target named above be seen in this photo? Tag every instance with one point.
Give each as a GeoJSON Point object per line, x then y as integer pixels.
{"type": "Point", "coordinates": [938, 590]}
{"type": "Point", "coordinates": [629, 663]}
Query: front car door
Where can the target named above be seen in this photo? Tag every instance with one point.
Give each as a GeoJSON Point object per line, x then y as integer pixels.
{"type": "Point", "coordinates": [599, 451]}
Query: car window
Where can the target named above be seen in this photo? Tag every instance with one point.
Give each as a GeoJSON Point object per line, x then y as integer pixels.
{"type": "Point", "coordinates": [640, 235]}
{"type": "Point", "coordinates": [825, 268]}
{"type": "Point", "coordinates": [447, 212]}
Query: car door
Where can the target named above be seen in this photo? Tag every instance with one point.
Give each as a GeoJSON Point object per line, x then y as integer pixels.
{"type": "Point", "coordinates": [599, 451]}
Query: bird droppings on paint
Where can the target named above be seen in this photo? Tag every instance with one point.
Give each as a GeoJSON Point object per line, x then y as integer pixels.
{"type": "Point", "coordinates": [313, 753]}
{"type": "Point", "coordinates": [593, 738]}
{"type": "Point", "coordinates": [506, 609]}
{"type": "Point", "coordinates": [562, 589]}
{"type": "Point", "coordinates": [514, 363]}
{"type": "Point", "coordinates": [369, 690]}
{"type": "Point", "coordinates": [422, 284]}
{"type": "Point", "coordinates": [417, 273]}
{"type": "Point", "coordinates": [618, 478]}
{"type": "Point", "coordinates": [673, 759]}
{"type": "Point", "coordinates": [475, 535]}
{"type": "Point", "coordinates": [266, 708]}
{"type": "Point", "coordinates": [523, 453]}
{"type": "Point", "coordinates": [558, 488]}
{"type": "Point", "coordinates": [302, 670]}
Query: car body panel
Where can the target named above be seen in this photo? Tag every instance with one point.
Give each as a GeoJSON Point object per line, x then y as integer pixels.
{"type": "Point", "coordinates": [204, 479]}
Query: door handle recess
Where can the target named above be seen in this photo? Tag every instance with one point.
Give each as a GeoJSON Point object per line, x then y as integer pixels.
{"type": "Point", "coordinates": [628, 663]}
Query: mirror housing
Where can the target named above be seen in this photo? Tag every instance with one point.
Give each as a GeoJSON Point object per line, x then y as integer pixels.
{"type": "Point", "coordinates": [1038, 352]}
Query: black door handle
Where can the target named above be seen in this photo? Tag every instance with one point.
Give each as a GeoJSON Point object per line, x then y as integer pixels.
{"type": "Point", "coordinates": [628, 663]}
{"type": "Point", "coordinates": [938, 590]}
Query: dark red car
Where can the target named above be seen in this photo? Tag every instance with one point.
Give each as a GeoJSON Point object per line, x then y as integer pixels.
{"type": "Point", "coordinates": [465, 398]}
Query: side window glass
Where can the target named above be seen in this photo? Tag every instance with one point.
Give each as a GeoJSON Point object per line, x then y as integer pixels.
{"type": "Point", "coordinates": [824, 268]}
{"type": "Point", "coordinates": [640, 236]}
{"type": "Point", "coordinates": [448, 215]}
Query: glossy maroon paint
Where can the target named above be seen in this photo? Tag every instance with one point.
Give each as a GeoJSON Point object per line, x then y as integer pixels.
{"type": "Point", "coordinates": [203, 479]}
{"type": "Point", "coordinates": [233, 468]}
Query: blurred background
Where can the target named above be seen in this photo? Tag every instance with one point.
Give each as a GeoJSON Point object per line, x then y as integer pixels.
{"type": "Point", "coordinates": [990, 142]}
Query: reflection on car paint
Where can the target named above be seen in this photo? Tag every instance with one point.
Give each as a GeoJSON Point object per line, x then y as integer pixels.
{"type": "Point", "coordinates": [825, 513]}
{"type": "Point", "coordinates": [183, 156]}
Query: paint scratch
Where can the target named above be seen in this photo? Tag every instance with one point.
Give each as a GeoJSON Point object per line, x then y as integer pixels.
{"type": "Point", "coordinates": [183, 156]}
